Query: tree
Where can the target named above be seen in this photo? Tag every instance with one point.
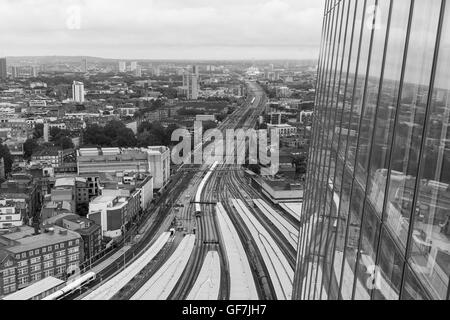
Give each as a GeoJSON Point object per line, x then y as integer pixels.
{"type": "Point", "coordinates": [301, 164]}
{"type": "Point", "coordinates": [207, 125]}
{"type": "Point", "coordinates": [255, 168]}
{"type": "Point", "coordinates": [38, 131]}
{"type": "Point", "coordinates": [114, 134]}
{"type": "Point", "coordinates": [154, 134]}
{"type": "Point", "coordinates": [220, 117]}
{"type": "Point", "coordinates": [169, 131]}
{"type": "Point", "coordinates": [95, 135]}
{"type": "Point", "coordinates": [57, 133]}
{"type": "Point", "coordinates": [157, 104]}
{"type": "Point", "coordinates": [125, 139]}
{"type": "Point", "coordinates": [263, 126]}
{"type": "Point", "coordinates": [83, 209]}
{"type": "Point", "coordinates": [65, 143]}
{"type": "Point", "coordinates": [231, 110]}
{"type": "Point", "coordinates": [5, 154]}
{"type": "Point", "coordinates": [29, 147]}
{"type": "Point", "coordinates": [189, 112]}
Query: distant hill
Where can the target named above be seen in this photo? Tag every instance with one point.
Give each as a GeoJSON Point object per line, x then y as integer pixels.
{"type": "Point", "coordinates": [54, 59]}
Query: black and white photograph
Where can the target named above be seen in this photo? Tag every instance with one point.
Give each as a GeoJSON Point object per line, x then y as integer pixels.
{"type": "Point", "coordinates": [224, 156]}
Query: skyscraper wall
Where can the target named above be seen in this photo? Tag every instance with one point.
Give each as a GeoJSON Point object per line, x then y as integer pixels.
{"type": "Point", "coordinates": [376, 216]}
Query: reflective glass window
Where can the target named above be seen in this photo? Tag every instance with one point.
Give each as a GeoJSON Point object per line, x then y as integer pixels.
{"type": "Point", "coordinates": [430, 241]}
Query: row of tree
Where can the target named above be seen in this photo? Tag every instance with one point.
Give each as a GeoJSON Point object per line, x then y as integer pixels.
{"type": "Point", "coordinates": [58, 138]}
{"type": "Point", "coordinates": [116, 134]}
{"type": "Point", "coordinates": [5, 154]}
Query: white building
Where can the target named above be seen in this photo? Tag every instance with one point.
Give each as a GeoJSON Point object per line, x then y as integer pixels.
{"type": "Point", "coordinates": [107, 211]}
{"type": "Point", "coordinates": [283, 92]}
{"type": "Point", "coordinates": [78, 92]}
{"type": "Point", "coordinates": [133, 66]}
{"type": "Point", "coordinates": [205, 117]}
{"type": "Point", "coordinates": [114, 209]}
{"type": "Point", "coordinates": [283, 130]}
{"type": "Point", "coordinates": [46, 132]}
{"type": "Point", "coordinates": [193, 88]}
{"type": "Point", "coordinates": [37, 103]}
{"type": "Point", "coordinates": [9, 216]}
{"type": "Point", "coordinates": [159, 159]}
{"type": "Point", "coordinates": [138, 72]}
{"type": "Point", "coordinates": [190, 84]}
{"type": "Point", "coordinates": [34, 85]}
{"type": "Point", "coordinates": [122, 66]}
{"type": "Point", "coordinates": [153, 160]}
{"type": "Point", "coordinates": [146, 187]}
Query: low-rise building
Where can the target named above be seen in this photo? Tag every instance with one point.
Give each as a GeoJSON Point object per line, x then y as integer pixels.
{"type": "Point", "coordinates": [90, 232]}
{"type": "Point", "coordinates": [29, 256]}
{"type": "Point", "coordinates": [10, 214]}
{"type": "Point", "coordinates": [114, 212]}
{"type": "Point", "coordinates": [205, 117]}
{"type": "Point", "coordinates": [281, 191]}
{"type": "Point", "coordinates": [8, 281]}
{"type": "Point", "coordinates": [48, 156]}
{"type": "Point", "coordinates": [283, 130]}
{"type": "Point", "coordinates": [22, 190]}
{"type": "Point", "coordinates": [159, 158]}
{"type": "Point", "coordinates": [116, 161]}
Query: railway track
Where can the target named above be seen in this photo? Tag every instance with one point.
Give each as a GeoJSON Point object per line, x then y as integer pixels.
{"type": "Point", "coordinates": [289, 251]}
{"type": "Point", "coordinates": [207, 233]}
{"type": "Point", "coordinates": [260, 272]}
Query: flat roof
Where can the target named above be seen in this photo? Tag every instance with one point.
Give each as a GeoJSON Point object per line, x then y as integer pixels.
{"type": "Point", "coordinates": [63, 182]}
{"type": "Point", "coordinates": [35, 289]}
{"type": "Point", "coordinates": [103, 199]}
{"type": "Point", "coordinates": [285, 125]}
{"type": "Point", "coordinates": [26, 240]}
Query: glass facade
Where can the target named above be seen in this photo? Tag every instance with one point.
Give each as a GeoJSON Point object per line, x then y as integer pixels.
{"type": "Point", "coordinates": [376, 216]}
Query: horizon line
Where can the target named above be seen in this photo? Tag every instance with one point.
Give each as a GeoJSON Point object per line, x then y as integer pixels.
{"type": "Point", "coordinates": [160, 59]}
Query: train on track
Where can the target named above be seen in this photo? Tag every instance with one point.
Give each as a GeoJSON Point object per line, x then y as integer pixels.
{"type": "Point", "coordinates": [198, 196]}
{"type": "Point", "coordinates": [72, 286]}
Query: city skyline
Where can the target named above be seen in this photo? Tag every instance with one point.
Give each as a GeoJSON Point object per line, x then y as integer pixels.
{"type": "Point", "coordinates": [197, 150]}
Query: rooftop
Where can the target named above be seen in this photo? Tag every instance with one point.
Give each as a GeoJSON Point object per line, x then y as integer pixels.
{"type": "Point", "coordinates": [103, 199]}
{"type": "Point", "coordinates": [26, 240]}
{"type": "Point", "coordinates": [48, 152]}
{"type": "Point", "coordinates": [35, 289]}
{"type": "Point", "coordinates": [7, 203]}
{"type": "Point", "coordinates": [55, 219]}
{"type": "Point", "coordinates": [64, 182]}
{"type": "Point", "coordinates": [281, 126]}
{"type": "Point", "coordinates": [279, 185]}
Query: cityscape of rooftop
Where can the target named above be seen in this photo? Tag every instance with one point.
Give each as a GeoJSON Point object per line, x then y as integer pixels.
{"type": "Point", "coordinates": [202, 152]}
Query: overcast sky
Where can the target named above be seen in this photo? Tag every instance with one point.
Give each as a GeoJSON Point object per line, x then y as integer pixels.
{"type": "Point", "coordinates": [162, 29]}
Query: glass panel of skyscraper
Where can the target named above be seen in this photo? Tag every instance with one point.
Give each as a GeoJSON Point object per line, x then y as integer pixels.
{"type": "Point", "coordinates": [376, 214]}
